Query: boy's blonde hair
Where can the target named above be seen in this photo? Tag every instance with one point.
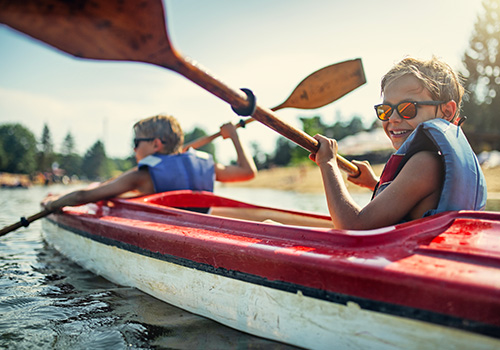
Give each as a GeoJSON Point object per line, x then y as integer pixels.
{"type": "Point", "coordinates": [164, 127]}
{"type": "Point", "coordinates": [435, 76]}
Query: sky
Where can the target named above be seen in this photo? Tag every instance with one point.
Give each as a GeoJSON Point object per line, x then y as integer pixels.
{"type": "Point", "coordinates": [268, 46]}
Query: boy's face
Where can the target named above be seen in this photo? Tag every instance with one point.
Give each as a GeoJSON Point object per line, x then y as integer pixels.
{"type": "Point", "coordinates": [144, 148]}
{"type": "Point", "coordinates": [406, 88]}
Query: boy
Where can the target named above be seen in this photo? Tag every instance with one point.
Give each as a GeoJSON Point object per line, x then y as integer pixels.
{"type": "Point", "coordinates": [434, 168]}
{"type": "Point", "coordinates": [163, 167]}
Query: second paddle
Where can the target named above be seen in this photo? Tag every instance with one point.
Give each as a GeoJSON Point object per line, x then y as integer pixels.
{"type": "Point", "coordinates": [318, 89]}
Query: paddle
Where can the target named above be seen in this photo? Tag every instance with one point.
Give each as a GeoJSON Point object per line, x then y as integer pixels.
{"type": "Point", "coordinates": [133, 30]}
{"type": "Point", "coordinates": [24, 222]}
{"type": "Point", "coordinates": [318, 89]}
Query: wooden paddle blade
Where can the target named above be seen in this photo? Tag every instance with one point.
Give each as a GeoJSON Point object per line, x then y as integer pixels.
{"type": "Point", "coordinates": [133, 30]}
{"type": "Point", "coordinates": [326, 85]}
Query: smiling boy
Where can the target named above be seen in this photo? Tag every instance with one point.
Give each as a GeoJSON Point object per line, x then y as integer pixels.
{"type": "Point", "coordinates": [433, 170]}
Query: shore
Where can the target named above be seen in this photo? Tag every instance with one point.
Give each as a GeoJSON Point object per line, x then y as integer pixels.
{"type": "Point", "coordinates": [303, 179]}
{"type": "Point", "coordinates": [307, 179]}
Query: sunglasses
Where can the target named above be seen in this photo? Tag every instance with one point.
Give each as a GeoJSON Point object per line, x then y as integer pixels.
{"type": "Point", "coordinates": [406, 109]}
{"type": "Point", "coordinates": [138, 140]}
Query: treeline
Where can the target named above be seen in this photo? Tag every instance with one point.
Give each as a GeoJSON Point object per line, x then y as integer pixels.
{"type": "Point", "coordinates": [288, 153]}
{"type": "Point", "coordinates": [22, 153]}
{"type": "Point", "coordinates": [482, 80]}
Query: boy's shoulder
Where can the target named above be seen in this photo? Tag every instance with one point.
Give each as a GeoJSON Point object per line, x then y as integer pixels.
{"type": "Point", "coordinates": [150, 161]}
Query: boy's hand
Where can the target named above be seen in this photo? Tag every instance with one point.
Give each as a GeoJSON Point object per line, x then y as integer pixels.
{"type": "Point", "coordinates": [47, 202]}
{"type": "Point", "coordinates": [366, 177]}
{"type": "Point", "coordinates": [228, 130]}
{"type": "Point", "coordinates": [327, 150]}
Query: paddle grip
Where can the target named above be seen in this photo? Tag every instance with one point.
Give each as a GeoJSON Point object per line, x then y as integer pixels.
{"type": "Point", "coordinates": [250, 108]}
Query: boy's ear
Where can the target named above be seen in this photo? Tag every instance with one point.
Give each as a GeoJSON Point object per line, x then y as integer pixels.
{"type": "Point", "coordinates": [158, 145]}
{"type": "Point", "coordinates": [449, 109]}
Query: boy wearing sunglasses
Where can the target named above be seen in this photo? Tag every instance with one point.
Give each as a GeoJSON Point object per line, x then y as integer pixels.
{"type": "Point", "coordinates": [434, 168]}
{"type": "Point", "coordinates": [162, 166]}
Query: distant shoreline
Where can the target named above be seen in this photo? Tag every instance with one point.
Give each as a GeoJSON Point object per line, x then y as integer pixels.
{"type": "Point", "coordinates": [307, 179]}
{"type": "Point", "coordinates": [302, 179]}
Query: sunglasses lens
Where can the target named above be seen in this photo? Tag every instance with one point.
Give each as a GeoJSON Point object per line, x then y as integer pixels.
{"type": "Point", "coordinates": [384, 112]}
{"type": "Point", "coordinates": [407, 110]}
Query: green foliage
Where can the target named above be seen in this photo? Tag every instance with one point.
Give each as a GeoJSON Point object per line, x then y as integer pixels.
{"type": "Point", "coordinates": [283, 153]}
{"type": "Point", "coordinates": [45, 156]}
{"type": "Point", "coordinates": [122, 165]}
{"type": "Point", "coordinates": [313, 126]}
{"type": "Point", "coordinates": [482, 73]}
{"type": "Point", "coordinates": [68, 145]}
{"type": "Point", "coordinates": [95, 163]}
{"type": "Point", "coordinates": [339, 130]}
{"type": "Point", "coordinates": [68, 159]}
{"type": "Point", "coordinates": [17, 149]}
{"type": "Point", "coordinates": [71, 163]}
{"type": "Point", "coordinates": [197, 133]}
{"type": "Point", "coordinates": [3, 157]}
{"type": "Point", "coordinates": [287, 153]}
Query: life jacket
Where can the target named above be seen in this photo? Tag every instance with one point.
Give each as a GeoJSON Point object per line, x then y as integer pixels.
{"type": "Point", "coordinates": [464, 185]}
{"type": "Point", "coordinates": [191, 170]}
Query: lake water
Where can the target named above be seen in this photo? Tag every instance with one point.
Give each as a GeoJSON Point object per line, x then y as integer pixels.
{"type": "Point", "coordinates": [48, 302]}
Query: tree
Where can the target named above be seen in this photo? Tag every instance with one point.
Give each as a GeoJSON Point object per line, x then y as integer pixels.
{"type": "Point", "coordinates": [71, 164]}
{"type": "Point", "coordinates": [3, 158]}
{"type": "Point", "coordinates": [283, 153]}
{"type": "Point", "coordinates": [482, 74]}
{"type": "Point", "coordinates": [95, 164]}
{"type": "Point", "coordinates": [195, 134]}
{"type": "Point", "coordinates": [19, 149]}
{"type": "Point", "coordinates": [313, 126]}
{"type": "Point", "coordinates": [68, 145]}
{"type": "Point", "coordinates": [46, 155]}
{"type": "Point", "coordinates": [339, 130]}
{"type": "Point", "coordinates": [68, 159]}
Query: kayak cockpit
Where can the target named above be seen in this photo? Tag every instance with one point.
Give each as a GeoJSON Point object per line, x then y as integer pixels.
{"type": "Point", "coordinates": [228, 208]}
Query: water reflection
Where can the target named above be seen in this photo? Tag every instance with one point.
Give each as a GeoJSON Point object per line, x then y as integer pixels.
{"type": "Point", "coordinates": [47, 301]}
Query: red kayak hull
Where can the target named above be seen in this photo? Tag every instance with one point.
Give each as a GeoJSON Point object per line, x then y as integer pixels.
{"type": "Point", "coordinates": [442, 270]}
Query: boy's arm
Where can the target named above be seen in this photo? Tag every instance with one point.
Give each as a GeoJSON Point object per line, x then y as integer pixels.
{"type": "Point", "coordinates": [414, 191]}
{"type": "Point", "coordinates": [245, 170]}
{"type": "Point", "coordinates": [138, 179]}
{"type": "Point", "coordinates": [366, 177]}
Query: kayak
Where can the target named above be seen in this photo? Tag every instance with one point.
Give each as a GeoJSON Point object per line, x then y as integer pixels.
{"type": "Point", "coordinates": [290, 276]}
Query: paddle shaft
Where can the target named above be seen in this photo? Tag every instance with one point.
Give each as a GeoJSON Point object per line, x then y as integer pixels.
{"type": "Point", "coordinates": [24, 222]}
{"type": "Point", "coordinates": [202, 141]}
{"type": "Point", "coordinates": [238, 100]}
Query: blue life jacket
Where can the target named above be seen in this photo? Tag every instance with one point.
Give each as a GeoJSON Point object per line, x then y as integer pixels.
{"type": "Point", "coordinates": [191, 170]}
{"type": "Point", "coordinates": [464, 185]}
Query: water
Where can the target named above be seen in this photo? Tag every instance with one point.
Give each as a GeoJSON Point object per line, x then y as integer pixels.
{"type": "Point", "coordinates": [48, 302]}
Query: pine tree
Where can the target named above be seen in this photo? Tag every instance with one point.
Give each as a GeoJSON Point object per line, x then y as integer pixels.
{"type": "Point", "coordinates": [95, 163]}
{"type": "Point", "coordinates": [69, 160]}
{"type": "Point", "coordinates": [482, 74]}
{"type": "Point", "coordinates": [68, 145]}
{"type": "Point", "coordinates": [46, 155]}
